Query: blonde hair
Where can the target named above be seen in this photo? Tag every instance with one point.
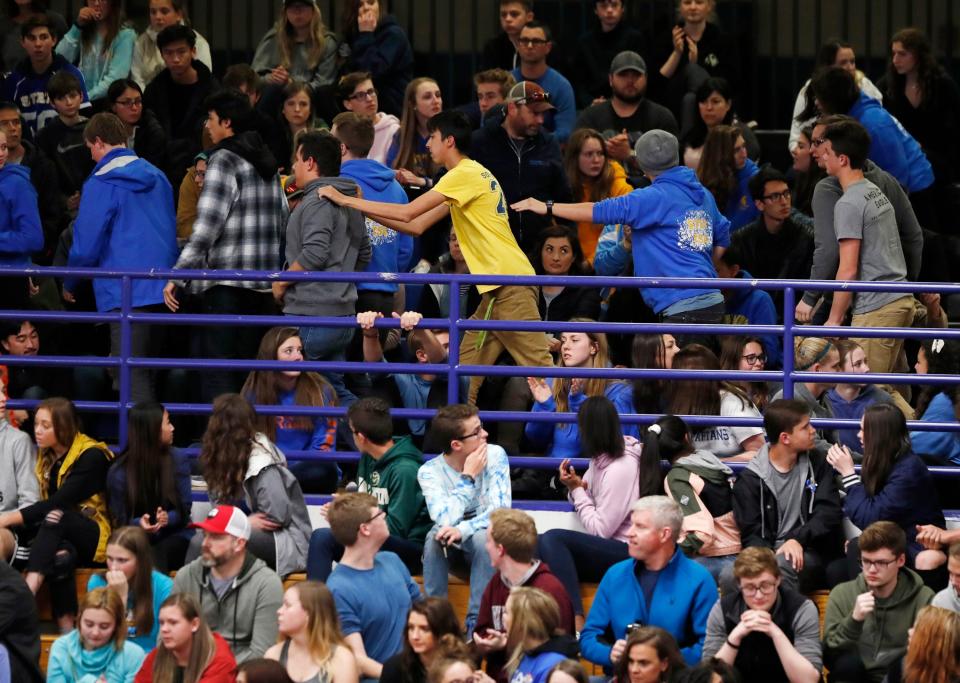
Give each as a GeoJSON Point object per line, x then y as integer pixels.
{"type": "Point", "coordinates": [317, 40]}
{"type": "Point", "coordinates": [323, 627]}
{"type": "Point", "coordinates": [595, 386]}
{"type": "Point", "coordinates": [108, 600]}
{"type": "Point", "coordinates": [808, 351]}
{"type": "Point", "coordinates": [535, 618]}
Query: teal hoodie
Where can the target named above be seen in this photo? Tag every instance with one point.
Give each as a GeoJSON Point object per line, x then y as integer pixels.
{"type": "Point", "coordinates": [70, 663]}
{"type": "Point", "coordinates": [393, 480]}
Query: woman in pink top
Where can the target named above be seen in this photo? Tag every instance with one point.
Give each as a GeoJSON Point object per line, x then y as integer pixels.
{"type": "Point", "coordinates": [602, 498]}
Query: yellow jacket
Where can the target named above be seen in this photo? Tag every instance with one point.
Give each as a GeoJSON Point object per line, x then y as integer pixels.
{"type": "Point", "coordinates": [94, 507]}
{"type": "Point", "coordinates": [589, 233]}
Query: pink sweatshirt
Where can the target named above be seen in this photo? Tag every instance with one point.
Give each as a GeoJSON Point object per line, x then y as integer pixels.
{"type": "Point", "coordinates": [612, 487]}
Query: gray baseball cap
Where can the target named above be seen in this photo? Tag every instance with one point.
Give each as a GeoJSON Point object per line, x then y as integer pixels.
{"type": "Point", "coordinates": [628, 61]}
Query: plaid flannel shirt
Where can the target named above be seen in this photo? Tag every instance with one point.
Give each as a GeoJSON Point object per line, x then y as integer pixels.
{"type": "Point", "coordinates": [240, 219]}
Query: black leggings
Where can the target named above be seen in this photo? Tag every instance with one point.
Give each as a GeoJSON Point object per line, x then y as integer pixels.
{"type": "Point", "coordinates": [58, 548]}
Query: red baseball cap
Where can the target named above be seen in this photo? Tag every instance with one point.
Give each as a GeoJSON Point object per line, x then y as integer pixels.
{"type": "Point", "coordinates": [226, 519]}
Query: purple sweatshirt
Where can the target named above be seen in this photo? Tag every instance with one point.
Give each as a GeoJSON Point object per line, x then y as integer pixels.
{"type": "Point", "coordinates": [612, 487]}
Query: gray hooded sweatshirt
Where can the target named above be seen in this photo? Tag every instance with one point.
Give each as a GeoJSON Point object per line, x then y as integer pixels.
{"type": "Point", "coordinates": [18, 458]}
{"type": "Point", "coordinates": [324, 237]}
{"type": "Point", "coordinates": [947, 599]}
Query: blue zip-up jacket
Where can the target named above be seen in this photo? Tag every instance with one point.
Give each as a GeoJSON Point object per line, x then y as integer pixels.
{"type": "Point", "coordinates": [676, 226]}
{"type": "Point", "coordinates": [756, 307]}
{"type": "Point", "coordinates": [740, 208]}
{"type": "Point", "coordinates": [908, 498]}
{"type": "Point", "coordinates": [684, 595]}
{"type": "Point", "coordinates": [392, 251]}
{"type": "Point", "coordinates": [563, 439]}
{"type": "Point", "coordinates": [854, 410]}
{"type": "Point", "coordinates": [940, 444]}
{"type": "Point", "coordinates": [892, 148]}
{"type": "Point", "coordinates": [161, 586]}
{"type": "Point", "coordinates": [21, 233]}
{"type": "Point", "coordinates": [126, 220]}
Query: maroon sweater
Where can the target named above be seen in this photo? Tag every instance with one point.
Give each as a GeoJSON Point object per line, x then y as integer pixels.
{"type": "Point", "coordinates": [495, 597]}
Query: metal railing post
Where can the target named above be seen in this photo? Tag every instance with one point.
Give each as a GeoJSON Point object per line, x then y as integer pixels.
{"type": "Point", "coordinates": [789, 304]}
{"type": "Point", "coordinates": [453, 355]}
{"type": "Point", "coordinates": [126, 299]}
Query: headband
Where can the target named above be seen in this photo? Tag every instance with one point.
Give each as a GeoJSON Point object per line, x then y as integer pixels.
{"type": "Point", "coordinates": [820, 356]}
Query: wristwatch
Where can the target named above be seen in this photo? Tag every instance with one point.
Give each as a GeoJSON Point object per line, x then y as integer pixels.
{"type": "Point", "coordinates": [549, 204]}
{"type": "Point", "coordinates": [467, 478]}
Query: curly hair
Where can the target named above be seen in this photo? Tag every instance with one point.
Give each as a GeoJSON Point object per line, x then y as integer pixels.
{"type": "Point", "coordinates": [226, 446]}
{"type": "Point", "coordinates": [929, 71]}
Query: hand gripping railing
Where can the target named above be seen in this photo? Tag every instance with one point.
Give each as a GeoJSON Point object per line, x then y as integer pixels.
{"type": "Point", "coordinates": [456, 324]}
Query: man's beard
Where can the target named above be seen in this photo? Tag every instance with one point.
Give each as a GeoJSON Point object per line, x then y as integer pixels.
{"type": "Point", "coordinates": [628, 99]}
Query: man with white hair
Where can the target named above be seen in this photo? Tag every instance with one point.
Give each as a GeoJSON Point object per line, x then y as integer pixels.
{"type": "Point", "coordinates": [657, 586]}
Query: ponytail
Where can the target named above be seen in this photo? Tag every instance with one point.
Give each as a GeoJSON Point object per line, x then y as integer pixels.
{"type": "Point", "coordinates": [669, 438]}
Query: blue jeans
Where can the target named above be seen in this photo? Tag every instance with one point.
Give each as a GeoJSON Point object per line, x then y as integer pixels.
{"type": "Point", "coordinates": [471, 555]}
{"type": "Point", "coordinates": [4, 665]}
{"type": "Point", "coordinates": [575, 556]}
{"type": "Point", "coordinates": [329, 344]}
{"type": "Point", "coordinates": [324, 551]}
{"type": "Point", "coordinates": [715, 565]}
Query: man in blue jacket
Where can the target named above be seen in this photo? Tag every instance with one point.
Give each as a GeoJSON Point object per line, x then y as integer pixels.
{"type": "Point", "coordinates": [677, 230]}
{"type": "Point", "coordinates": [126, 219]}
{"type": "Point", "coordinates": [657, 586]}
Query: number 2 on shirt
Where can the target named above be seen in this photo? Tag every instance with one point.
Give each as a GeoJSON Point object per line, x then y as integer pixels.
{"type": "Point", "coordinates": [501, 209]}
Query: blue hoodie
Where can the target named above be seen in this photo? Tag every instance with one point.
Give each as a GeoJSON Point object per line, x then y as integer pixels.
{"type": "Point", "coordinates": [755, 307]}
{"type": "Point", "coordinates": [676, 226]}
{"type": "Point", "coordinates": [71, 663]}
{"type": "Point", "coordinates": [939, 444]}
{"type": "Point", "coordinates": [21, 233]}
{"type": "Point", "coordinates": [161, 586]}
{"type": "Point", "coordinates": [892, 148]}
{"type": "Point", "coordinates": [126, 220]}
{"type": "Point", "coordinates": [740, 208]}
{"type": "Point", "coordinates": [854, 410]}
{"type": "Point", "coordinates": [684, 595]}
{"type": "Point", "coordinates": [392, 250]}
{"type": "Point", "coordinates": [563, 439]}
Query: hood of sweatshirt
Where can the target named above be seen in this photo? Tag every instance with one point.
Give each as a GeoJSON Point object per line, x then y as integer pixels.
{"type": "Point", "coordinates": [124, 169]}
{"type": "Point", "coordinates": [369, 172]}
{"type": "Point", "coordinates": [250, 147]}
{"type": "Point", "coordinates": [632, 449]}
{"type": "Point", "coordinates": [685, 180]}
{"type": "Point", "coordinates": [706, 465]}
{"type": "Point", "coordinates": [562, 644]}
{"type": "Point", "coordinates": [403, 449]}
{"type": "Point", "coordinates": [347, 186]}
{"type": "Point", "coordinates": [737, 296]}
{"type": "Point", "coordinates": [763, 468]}
{"type": "Point", "coordinates": [15, 169]}
{"type": "Point", "coordinates": [263, 454]}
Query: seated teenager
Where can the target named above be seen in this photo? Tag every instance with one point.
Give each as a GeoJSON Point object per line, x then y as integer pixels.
{"type": "Point", "coordinates": [431, 622]}
{"type": "Point", "coordinates": [766, 630]}
{"type": "Point", "coordinates": [311, 647]}
{"type": "Point", "coordinates": [512, 546]}
{"type": "Point", "coordinates": [242, 466]}
{"type": "Point", "coordinates": [141, 588]}
{"type": "Point", "coordinates": [373, 628]}
{"type": "Point", "coordinates": [936, 402]}
{"type": "Point", "coordinates": [657, 586]}
{"type": "Point", "coordinates": [145, 135]}
{"type": "Point", "coordinates": [534, 641]}
{"type": "Point", "coordinates": [603, 499]}
{"type": "Point", "coordinates": [714, 108]}
{"type": "Point", "coordinates": [651, 352]}
{"type": "Point", "coordinates": [746, 354]}
{"type": "Point", "coordinates": [188, 650]}
{"type": "Point", "coordinates": [388, 470]}
{"type": "Point", "coordinates": [101, 44]}
{"type": "Point", "coordinates": [749, 306]}
{"type": "Point", "coordinates": [558, 252]}
{"type": "Point", "coordinates": [699, 483]}
{"type": "Point", "coordinates": [18, 463]}
{"type": "Point", "coordinates": [949, 597]}
{"type": "Point", "coordinates": [292, 388]}
{"type": "Point", "coordinates": [933, 647]}
{"type": "Point", "coordinates": [296, 116]}
{"type": "Point", "coordinates": [69, 526]}
{"type": "Point", "coordinates": [703, 397]}
{"type": "Point", "coordinates": [149, 485]}
{"type": "Point", "coordinates": [561, 395]}
{"type": "Point", "coordinates": [894, 484]}
{"type": "Point", "coordinates": [725, 170]}
{"type": "Point", "coordinates": [786, 499]}
{"type": "Point", "coordinates": [147, 62]}
{"type": "Point", "coordinates": [98, 649]}
{"type": "Point", "coordinates": [356, 93]}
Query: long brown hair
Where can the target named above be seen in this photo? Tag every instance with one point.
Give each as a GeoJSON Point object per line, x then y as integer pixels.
{"type": "Point", "coordinates": [731, 350]}
{"type": "Point", "coordinates": [406, 137]}
{"type": "Point", "coordinates": [134, 540]}
{"type": "Point", "coordinates": [311, 389]}
{"type": "Point", "coordinates": [928, 70]}
{"type": "Point", "coordinates": [662, 642]}
{"type": "Point", "coordinates": [698, 396]}
{"type": "Point", "coordinates": [66, 427]}
{"type": "Point", "coordinates": [600, 186]}
{"type": "Point", "coordinates": [716, 171]}
{"type": "Point", "coordinates": [933, 655]}
{"type": "Point", "coordinates": [595, 386]}
{"type": "Point", "coordinates": [285, 38]}
{"type": "Point", "coordinates": [202, 649]}
{"type": "Point", "coordinates": [885, 440]}
{"type": "Point", "coordinates": [108, 600]}
{"type": "Point", "coordinates": [226, 446]}
{"type": "Point", "coordinates": [442, 621]}
{"type": "Point", "coordinates": [114, 21]}
{"type": "Point", "coordinates": [323, 627]}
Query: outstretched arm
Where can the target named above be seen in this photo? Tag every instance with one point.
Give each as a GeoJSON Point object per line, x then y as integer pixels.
{"type": "Point", "coordinates": [400, 217]}
{"type": "Point", "coordinates": [581, 213]}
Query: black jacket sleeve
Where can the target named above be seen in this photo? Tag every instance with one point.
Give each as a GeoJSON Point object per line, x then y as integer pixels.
{"type": "Point", "coordinates": [746, 511]}
{"type": "Point", "coordinates": [824, 523]}
{"type": "Point", "coordinates": [88, 476]}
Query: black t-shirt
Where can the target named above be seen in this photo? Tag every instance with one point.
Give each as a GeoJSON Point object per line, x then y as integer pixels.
{"type": "Point", "coordinates": [180, 98]}
{"type": "Point", "coordinates": [648, 116]}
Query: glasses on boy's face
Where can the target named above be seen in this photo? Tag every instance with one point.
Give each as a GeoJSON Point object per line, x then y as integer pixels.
{"type": "Point", "coordinates": [364, 94]}
{"type": "Point", "coordinates": [876, 564]}
{"type": "Point", "coordinates": [472, 434]}
{"type": "Point", "coordinates": [762, 588]}
{"type": "Point", "coordinates": [777, 196]}
{"type": "Point", "coordinates": [532, 42]}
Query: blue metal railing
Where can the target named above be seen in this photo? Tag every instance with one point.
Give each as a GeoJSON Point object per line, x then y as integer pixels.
{"type": "Point", "coordinates": [456, 324]}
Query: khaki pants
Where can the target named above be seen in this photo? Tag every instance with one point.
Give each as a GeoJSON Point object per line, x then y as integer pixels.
{"type": "Point", "coordinates": [882, 354]}
{"type": "Point", "coordinates": [483, 347]}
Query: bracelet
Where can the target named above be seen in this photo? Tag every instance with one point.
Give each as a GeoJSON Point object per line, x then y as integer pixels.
{"type": "Point", "coordinates": [735, 647]}
{"type": "Point", "coordinates": [549, 204]}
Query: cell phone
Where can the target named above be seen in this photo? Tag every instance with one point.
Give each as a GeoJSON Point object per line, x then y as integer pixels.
{"type": "Point", "coordinates": [681, 23]}
{"type": "Point", "coordinates": [631, 628]}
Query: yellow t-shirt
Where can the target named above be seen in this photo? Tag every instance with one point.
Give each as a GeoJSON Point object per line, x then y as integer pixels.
{"type": "Point", "coordinates": [479, 214]}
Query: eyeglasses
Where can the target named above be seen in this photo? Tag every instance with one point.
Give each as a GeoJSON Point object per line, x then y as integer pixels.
{"type": "Point", "coordinates": [754, 358]}
{"type": "Point", "coordinates": [763, 588]}
{"type": "Point", "coordinates": [136, 102]}
{"type": "Point", "coordinates": [777, 196]}
{"type": "Point", "coordinates": [379, 514]}
{"type": "Point", "coordinates": [472, 434]}
{"type": "Point", "coordinates": [875, 564]}
{"type": "Point", "coordinates": [364, 95]}
{"type": "Point", "coordinates": [532, 42]}
{"type": "Point", "coordinates": [816, 142]}
{"type": "Point", "coordinates": [199, 175]}
{"type": "Point", "coordinates": [10, 123]}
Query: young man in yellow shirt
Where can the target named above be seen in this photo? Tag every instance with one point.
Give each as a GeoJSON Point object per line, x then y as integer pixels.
{"type": "Point", "coordinates": [472, 197]}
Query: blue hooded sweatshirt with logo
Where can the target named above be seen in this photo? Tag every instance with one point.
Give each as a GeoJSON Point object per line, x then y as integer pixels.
{"type": "Point", "coordinates": [392, 251]}
{"type": "Point", "coordinates": [676, 225]}
{"type": "Point", "coordinates": [126, 220]}
{"type": "Point", "coordinates": [21, 233]}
